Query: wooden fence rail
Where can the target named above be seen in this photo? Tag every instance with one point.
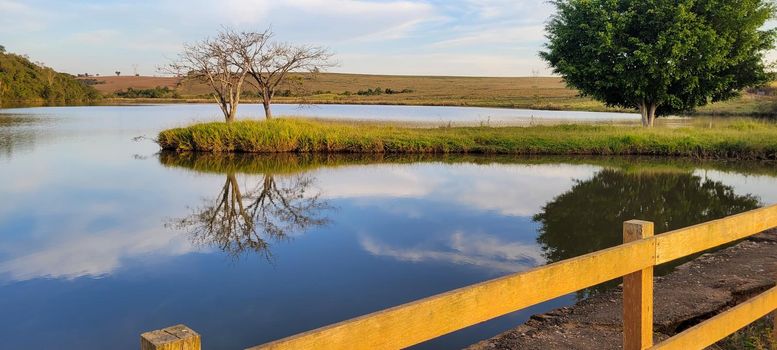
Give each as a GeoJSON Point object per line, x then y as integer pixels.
{"type": "Point", "coordinates": [429, 318]}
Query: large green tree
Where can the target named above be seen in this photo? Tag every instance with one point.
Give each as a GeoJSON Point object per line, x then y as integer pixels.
{"type": "Point", "coordinates": [660, 56]}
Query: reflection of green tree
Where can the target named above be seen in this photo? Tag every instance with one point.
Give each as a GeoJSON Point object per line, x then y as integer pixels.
{"type": "Point", "coordinates": [14, 136]}
{"type": "Point", "coordinates": [238, 222]}
{"type": "Point", "coordinates": [590, 216]}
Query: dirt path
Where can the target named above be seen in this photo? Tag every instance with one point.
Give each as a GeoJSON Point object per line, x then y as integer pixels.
{"type": "Point", "coordinates": [695, 291]}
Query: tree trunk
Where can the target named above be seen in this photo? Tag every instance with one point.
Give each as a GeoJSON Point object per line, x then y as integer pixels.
{"type": "Point", "coordinates": [232, 113]}
{"type": "Point", "coordinates": [648, 112]}
{"type": "Point", "coordinates": [267, 111]}
{"type": "Point", "coordinates": [651, 116]}
{"type": "Point", "coordinates": [643, 111]}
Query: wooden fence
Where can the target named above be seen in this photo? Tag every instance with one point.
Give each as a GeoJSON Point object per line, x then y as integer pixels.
{"type": "Point", "coordinates": [429, 318]}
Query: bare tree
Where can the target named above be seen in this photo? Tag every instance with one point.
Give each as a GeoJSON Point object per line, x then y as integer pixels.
{"type": "Point", "coordinates": [277, 60]}
{"type": "Point", "coordinates": [220, 62]}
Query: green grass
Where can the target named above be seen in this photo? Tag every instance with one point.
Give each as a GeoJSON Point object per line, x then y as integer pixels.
{"type": "Point", "coordinates": [737, 139]}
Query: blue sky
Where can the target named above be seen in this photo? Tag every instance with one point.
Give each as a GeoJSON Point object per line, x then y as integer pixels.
{"type": "Point", "coordinates": [430, 37]}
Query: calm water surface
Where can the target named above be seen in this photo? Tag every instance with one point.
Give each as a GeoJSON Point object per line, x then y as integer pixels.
{"type": "Point", "coordinates": [186, 113]}
{"type": "Point", "coordinates": [102, 237]}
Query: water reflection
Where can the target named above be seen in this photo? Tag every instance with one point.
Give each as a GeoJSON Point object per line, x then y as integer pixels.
{"type": "Point", "coordinates": [239, 222]}
{"type": "Point", "coordinates": [404, 228]}
{"type": "Point", "coordinates": [589, 216]}
{"type": "Point", "coordinates": [83, 248]}
{"type": "Point", "coordinates": [16, 135]}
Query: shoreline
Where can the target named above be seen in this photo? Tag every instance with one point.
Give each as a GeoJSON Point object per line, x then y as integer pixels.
{"type": "Point", "coordinates": [743, 140]}
{"type": "Point", "coordinates": [111, 101]}
{"type": "Point", "coordinates": [719, 280]}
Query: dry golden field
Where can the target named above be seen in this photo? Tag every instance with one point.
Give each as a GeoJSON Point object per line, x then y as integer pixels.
{"type": "Point", "coordinates": [518, 92]}
{"type": "Point", "coordinates": [110, 84]}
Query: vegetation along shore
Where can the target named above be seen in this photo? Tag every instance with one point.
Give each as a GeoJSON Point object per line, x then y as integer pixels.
{"type": "Point", "coordinates": [729, 139]}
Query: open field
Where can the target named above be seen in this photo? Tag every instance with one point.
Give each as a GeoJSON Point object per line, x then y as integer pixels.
{"type": "Point", "coordinates": [736, 139]}
{"type": "Point", "coordinates": [521, 92]}
{"type": "Point", "coordinates": [110, 84]}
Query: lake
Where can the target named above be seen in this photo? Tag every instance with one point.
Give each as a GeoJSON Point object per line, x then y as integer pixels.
{"type": "Point", "coordinates": [102, 237]}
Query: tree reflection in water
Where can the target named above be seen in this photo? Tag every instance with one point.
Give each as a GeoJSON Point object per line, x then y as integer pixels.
{"type": "Point", "coordinates": [17, 133]}
{"type": "Point", "coordinates": [590, 216]}
{"type": "Point", "coordinates": [239, 222]}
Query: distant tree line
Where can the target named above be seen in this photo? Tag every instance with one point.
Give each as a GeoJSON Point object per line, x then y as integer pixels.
{"type": "Point", "coordinates": [157, 92]}
{"type": "Point", "coordinates": [369, 92]}
{"type": "Point", "coordinates": [379, 91]}
{"type": "Point", "coordinates": [22, 80]}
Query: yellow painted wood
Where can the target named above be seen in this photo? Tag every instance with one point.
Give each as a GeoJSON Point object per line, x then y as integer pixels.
{"type": "Point", "coordinates": [418, 321]}
{"type": "Point", "coordinates": [683, 242]}
{"type": "Point", "coordinates": [722, 325]}
{"type": "Point", "coordinates": [638, 293]}
{"type": "Point", "coordinates": [178, 337]}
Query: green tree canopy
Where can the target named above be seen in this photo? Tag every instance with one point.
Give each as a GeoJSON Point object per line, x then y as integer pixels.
{"type": "Point", "coordinates": [660, 56]}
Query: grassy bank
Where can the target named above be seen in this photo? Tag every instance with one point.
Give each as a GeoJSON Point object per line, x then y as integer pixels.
{"type": "Point", "coordinates": [740, 139]}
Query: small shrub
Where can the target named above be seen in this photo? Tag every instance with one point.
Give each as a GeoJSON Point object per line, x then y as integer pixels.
{"type": "Point", "coordinates": [157, 92]}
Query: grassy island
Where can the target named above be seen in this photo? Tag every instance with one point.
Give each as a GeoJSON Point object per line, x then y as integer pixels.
{"type": "Point", "coordinates": [731, 139]}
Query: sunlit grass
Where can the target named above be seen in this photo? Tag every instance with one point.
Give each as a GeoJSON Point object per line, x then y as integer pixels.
{"type": "Point", "coordinates": [735, 138]}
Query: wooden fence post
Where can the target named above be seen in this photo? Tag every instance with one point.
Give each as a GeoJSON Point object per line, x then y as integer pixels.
{"type": "Point", "coordinates": [177, 337]}
{"type": "Point", "coordinates": [638, 294]}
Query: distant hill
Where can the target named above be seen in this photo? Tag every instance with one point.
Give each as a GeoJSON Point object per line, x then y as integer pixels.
{"type": "Point", "coordinates": [22, 81]}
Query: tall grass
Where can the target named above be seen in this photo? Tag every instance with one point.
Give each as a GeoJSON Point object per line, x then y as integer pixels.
{"type": "Point", "coordinates": [740, 139]}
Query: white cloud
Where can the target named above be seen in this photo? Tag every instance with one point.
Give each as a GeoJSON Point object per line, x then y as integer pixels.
{"type": "Point", "coordinates": [510, 189]}
{"type": "Point", "coordinates": [460, 248]}
{"type": "Point", "coordinates": [78, 250]}
{"type": "Point", "coordinates": [761, 185]}
{"type": "Point", "coordinates": [393, 36]}
{"type": "Point", "coordinates": [92, 255]}
{"type": "Point", "coordinates": [328, 20]}
{"type": "Point", "coordinates": [384, 180]}
{"type": "Point", "coordinates": [506, 36]}
{"type": "Point", "coordinates": [16, 17]}
{"type": "Point", "coordinates": [517, 190]}
{"type": "Point", "coordinates": [95, 37]}
{"type": "Point", "coordinates": [527, 11]}
{"type": "Point", "coordinates": [459, 64]}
